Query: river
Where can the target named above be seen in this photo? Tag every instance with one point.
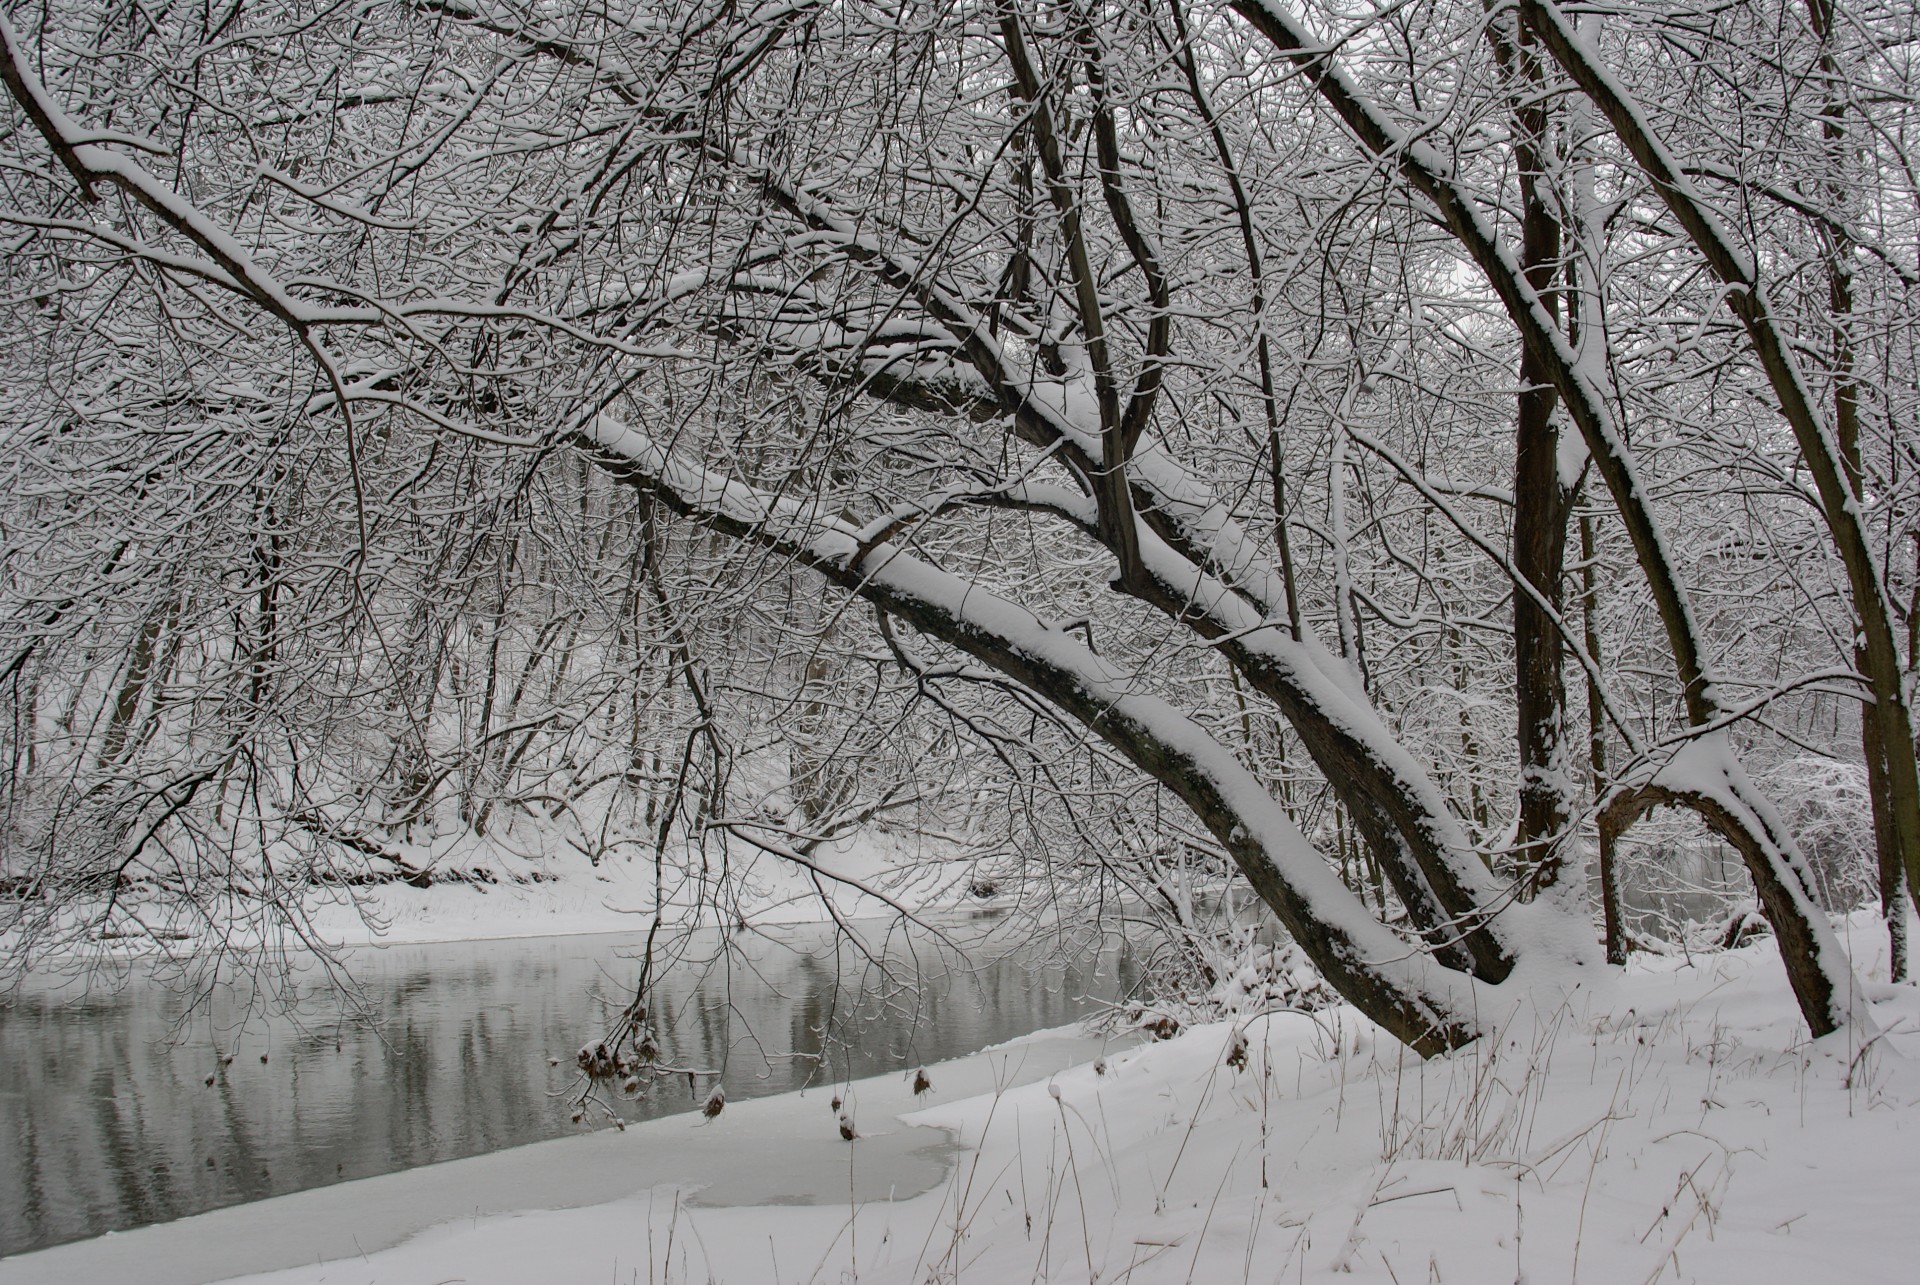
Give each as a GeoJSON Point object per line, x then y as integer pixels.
{"type": "Point", "coordinates": [108, 1121]}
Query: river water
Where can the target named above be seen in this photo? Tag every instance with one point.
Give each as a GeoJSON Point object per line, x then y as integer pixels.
{"type": "Point", "coordinates": [107, 1119]}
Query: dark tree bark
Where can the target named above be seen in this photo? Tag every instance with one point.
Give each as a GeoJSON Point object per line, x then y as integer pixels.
{"type": "Point", "coordinates": [1748, 299]}
{"type": "Point", "coordinates": [1816, 966]}
{"type": "Point", "coordinates": [1541, 497]}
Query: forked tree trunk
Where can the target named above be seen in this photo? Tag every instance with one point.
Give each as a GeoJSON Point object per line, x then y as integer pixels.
{"type": "Point", "coordinates": [1822, 977]}
{"type": "Point", "coordinates": [1422, 847]}
{"type": "Point", "coordinates": [1392, 981]}
{"type": "Point", "coordinates": [1820, 447]}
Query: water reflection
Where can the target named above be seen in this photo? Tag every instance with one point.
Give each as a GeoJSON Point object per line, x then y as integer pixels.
{"type": "Point", "coordinates": [107, 1120]}
{"type": "Point", "coordinates": [1668, 884]}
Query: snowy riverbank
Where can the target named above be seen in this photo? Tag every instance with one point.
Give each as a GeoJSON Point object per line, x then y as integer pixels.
{"type": "Point", "coordinates": [490, 889]}
{"type": "Point", "coordinates": [1668, 1125]}
{"type": "Point", "coordinates": [537, 895]}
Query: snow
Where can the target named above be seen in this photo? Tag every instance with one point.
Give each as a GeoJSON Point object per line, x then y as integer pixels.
{"type": "Point", "coordinates": [771, 1152]}
{"type": "Point", "coordinates": [1073, 677]}
{"type": "Point", "coordinates": [530, 885]}
{"type": "Point", "coordinates": [1669, 1124]}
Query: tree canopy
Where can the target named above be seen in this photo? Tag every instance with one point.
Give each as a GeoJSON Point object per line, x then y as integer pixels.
{"type": "Point", "coordinates": [1396, 438]}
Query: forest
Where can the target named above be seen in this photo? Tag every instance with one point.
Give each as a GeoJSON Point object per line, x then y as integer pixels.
{"type": "Point", "coordinates": [1370, 458]}
{"type": "Point", "coordinates": [1404, 515]}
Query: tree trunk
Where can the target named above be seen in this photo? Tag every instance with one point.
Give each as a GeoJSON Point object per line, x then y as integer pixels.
{"type": "Point", "coordinates": [1749, 301]}
{"type": "Point", "coordinates": [1613, 922]}
{"type": "Point", "coordinates": [1541, 500]}
{"type": "Point", "coordinates": [1392, 982]}
{"type": "Point", "coordinates": [1823, 978]}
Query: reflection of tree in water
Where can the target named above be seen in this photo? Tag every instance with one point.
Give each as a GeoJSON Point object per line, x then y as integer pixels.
{"type": "Point", "coordinates": [106, 1120]}
{"type": "Point", "coordinates": [850, 1008]}
{"type": "Point", "coordinates": [1678, 877]}
{"type": "Point", "coordinates": [493, 1107]}
{"type": "Point", "coordinates": [122, 1154]}
{"type": "Point", "coordinates": [807, 1025]}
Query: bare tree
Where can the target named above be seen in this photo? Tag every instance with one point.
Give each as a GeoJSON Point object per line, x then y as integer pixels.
{"type": "Point", "coordinates": [1099, 358]}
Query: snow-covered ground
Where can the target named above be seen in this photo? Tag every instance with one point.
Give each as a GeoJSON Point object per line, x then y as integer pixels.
{"type": "Point", "coordinates": [1669, 1125]}
{"type": "Point", "coordinates": [574, 897]}
{"type": "Point", "coordinates": [484, 889]}
{"type": "Point", "coordinates": [866, 874]}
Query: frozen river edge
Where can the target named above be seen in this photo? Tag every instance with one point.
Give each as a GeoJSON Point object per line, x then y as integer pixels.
{"type": "Point", "coordinates": [783, 1150]}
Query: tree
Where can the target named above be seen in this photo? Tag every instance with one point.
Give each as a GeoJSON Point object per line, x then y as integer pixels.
{"type": "Point", "coordinates": [1033, 329]}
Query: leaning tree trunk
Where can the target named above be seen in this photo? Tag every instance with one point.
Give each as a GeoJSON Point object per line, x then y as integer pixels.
{"type": "Point", "coordinates": [1820, 448]}
{"type": "Point", "coordinates": [1721, 795]}
{"type": "Point", "coordinates": [1392, 981]}
{"type": "Point", "coordinates": [1425, 851]}
{"type": "Point", "coordinates": [1822, 977]}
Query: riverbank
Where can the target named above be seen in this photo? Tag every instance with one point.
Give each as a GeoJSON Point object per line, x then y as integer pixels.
{"type": "Point", "coordinates": [488, 889]}
{"type": "Point", "coordinates": [1670, 1124]}
{"type": "Point", "coordinates": [144, 1101]}
{"type": "Point", "coordinates": [780, 1151]}
{"type": "Point", "coordinates": [493, 892]}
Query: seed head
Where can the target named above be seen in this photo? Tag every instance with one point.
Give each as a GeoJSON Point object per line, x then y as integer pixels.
{"type": "Point", "coordinates": [1237, 1051]}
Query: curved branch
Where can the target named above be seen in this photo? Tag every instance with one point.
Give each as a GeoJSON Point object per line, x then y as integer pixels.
{"type": "Point", "coordinates": [1393, 983]}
